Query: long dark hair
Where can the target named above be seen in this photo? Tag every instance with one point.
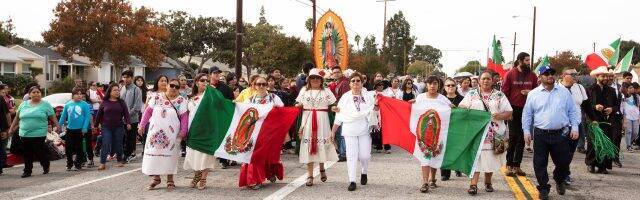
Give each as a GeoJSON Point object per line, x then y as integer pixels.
{"type": "Point", "coordinates": [195, 89]}
{"type": "Point", "coordinates": [155, 85]}
{"type": "Point", "coordinates": [143, 88]}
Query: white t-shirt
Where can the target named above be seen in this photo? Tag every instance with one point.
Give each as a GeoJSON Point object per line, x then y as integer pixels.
{"type": "Point", "coordinates": [578, 93]}
{"type": "Point", "coordinates": [93, 96]}
{"type": "Point", "coordinates": [629, 109]}
{"type": "Point", "coordinates": [419, 86]}
{"type": "Point", "coordinates": [393, 93]}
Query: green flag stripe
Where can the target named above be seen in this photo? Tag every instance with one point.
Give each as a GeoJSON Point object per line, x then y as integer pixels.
{"type": "Point", "coordinates": [464, 139]}
{"type": "Point", "coordinates": [211, 122]}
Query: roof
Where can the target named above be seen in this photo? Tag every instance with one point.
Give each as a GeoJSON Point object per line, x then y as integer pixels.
{"type": "Point", "coordinates": [9, 55]}
{"type": "Point", "coordinates": [44, 51]}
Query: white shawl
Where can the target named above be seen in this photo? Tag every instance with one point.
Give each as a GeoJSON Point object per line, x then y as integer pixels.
{"type": "Point", "coordinates": [349, 113]}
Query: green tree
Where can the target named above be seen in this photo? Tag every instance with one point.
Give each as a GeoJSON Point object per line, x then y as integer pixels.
{"type": "Point", "coordinates": [400, 42]}
{"type": "Point", "coordinates": [421, 68]}
{"type": "Point", "coordinates": [7, 34]}
{"type": "Point", "coordinates": [567, 59]}
{"type": "Point", "coordinates": [473, 67]}
{"type": "Point", "coordinates": [369, 46]}
{"type": "Point", "coordinates": [285, 53]}
{"type": "Point", "coordinates": [309, 24]}
{"type": "Point", "coordinates": [426, 53]}
{"type": "Point", "coordinates": [626, 45]}
{"type": "Point", "coordinates": [257, 41]}
{"type": "Point", "coordinates": [357, 39]}
{"type": "Point", "coordinates": [368, 64]}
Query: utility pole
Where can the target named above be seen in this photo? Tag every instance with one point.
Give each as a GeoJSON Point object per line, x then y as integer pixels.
{"type": "Point", "coordinates": [313, 2]}
{"type": "Point", "coordinates": [533, 40]}
{"type": "Point", "coordinates": [239, 32]}
{"type": "Point", "coordinates": [384, 31]}
{"type": "Point", "coordinates": [513, 56]}
{"type": "Point", "coordinates": [594, 47]}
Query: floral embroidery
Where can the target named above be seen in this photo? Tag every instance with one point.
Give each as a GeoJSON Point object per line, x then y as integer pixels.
{"type": "Point", "coordinates": [159, 140]}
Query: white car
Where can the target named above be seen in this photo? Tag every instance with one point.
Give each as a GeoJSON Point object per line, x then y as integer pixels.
{"type": "Point", "coordinates": [57, 101]}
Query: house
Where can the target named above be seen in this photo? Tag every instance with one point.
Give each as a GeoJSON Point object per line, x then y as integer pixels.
{"type": "Point", "coordinates": [59, 67]}
{"type": "Point", "coordinates": [15, 62]}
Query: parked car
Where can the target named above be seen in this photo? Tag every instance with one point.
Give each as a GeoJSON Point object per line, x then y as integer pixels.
{"type": "Point", "coordinates": [57, 101]}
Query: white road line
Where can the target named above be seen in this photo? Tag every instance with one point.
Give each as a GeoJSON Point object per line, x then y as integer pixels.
{"type": "Point", "coordinates": [82, 184]}
{"type": "Point", "coordinates": [289, 188]}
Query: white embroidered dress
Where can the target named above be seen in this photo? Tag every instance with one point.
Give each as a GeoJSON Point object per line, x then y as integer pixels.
{"type": "Point", "coordinates": [320, 101]}
{"type": "Point", "coordinates": [162, 148]}
{"type": "Point", "coordinates": [496, 102]}
{"type": "Point", "coordinates": [196, 160]}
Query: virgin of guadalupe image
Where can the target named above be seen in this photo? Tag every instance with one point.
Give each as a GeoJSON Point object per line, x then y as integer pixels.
{"type": "Point", "coordinates": [329, 45]}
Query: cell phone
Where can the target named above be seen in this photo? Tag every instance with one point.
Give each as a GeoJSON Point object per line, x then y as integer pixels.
{"type": "Point", "coordinates": [566, 131]}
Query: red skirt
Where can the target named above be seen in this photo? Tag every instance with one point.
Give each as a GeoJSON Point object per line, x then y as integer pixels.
{"type": "Point", "coordinates": [253, 174]}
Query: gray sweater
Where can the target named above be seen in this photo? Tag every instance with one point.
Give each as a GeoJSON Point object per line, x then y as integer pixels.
{"type": "Point", "coordinates": [132, 96]}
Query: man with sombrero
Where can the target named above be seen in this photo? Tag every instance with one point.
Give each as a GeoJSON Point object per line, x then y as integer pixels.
{"type": "Point", "coordinates": [602, 101]}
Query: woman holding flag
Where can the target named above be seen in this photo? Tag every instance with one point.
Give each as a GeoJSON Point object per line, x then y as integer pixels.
{"type": "Point", "coordinates": [168, 118]}
{"type": "Point", "coordinates": [316, 128]}
{"type": "Point", "coordinates": [492, 157]}
{"type": "Point", "coordinates": [354, 114]}
{"type": "Point", "coordinates": [432, 92]}
{"type": "Point", "coordinates": [252, 175]}
{"type": "Point", "coordinates": [196, 160]}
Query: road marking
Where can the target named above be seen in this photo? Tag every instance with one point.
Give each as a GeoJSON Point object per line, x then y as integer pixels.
{"type": "Point", "coordinates": [82, 184]}
{"type": "Point", "coordinates": [521, 187]}
{"type": "Point", "coordinates": [289, 188]}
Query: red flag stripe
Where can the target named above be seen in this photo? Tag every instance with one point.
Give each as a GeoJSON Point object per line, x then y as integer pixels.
{"type": "Point", "coordinates": [395, 115]}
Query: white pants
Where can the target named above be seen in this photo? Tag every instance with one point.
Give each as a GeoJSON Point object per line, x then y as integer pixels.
{"type": "Point", "coordinates": [358, 148]}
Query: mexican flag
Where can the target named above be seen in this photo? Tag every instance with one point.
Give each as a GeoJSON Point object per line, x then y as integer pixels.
{"type": "Point", "coordinates": [247, 133]}
{"type": "Point", "coordinates": [427, 125]}
{"type": "Point", "coordinates": [494, 62]}
{"type": "Point", "coordinates": [625, 63]}
{"type": "Point", "coordinates": [613, 60]}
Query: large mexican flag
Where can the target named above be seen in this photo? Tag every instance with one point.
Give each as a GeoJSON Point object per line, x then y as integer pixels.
{"type": "Point", "coordinates": [247, 133]}
{"type": "Point", "coordinates": [427, 125]}
{"type": "Point", "coordinates": [495, 60]}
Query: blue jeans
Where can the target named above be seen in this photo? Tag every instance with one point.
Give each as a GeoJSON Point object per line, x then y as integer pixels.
{"type": "Point", "coordinates": [582, 135]}
{"type": "Point", "coordinates": [112, 138]}
{"type": "Point", "coordinates": [342, 149]}
{"type": "Point", "coordinates": [631, 131]}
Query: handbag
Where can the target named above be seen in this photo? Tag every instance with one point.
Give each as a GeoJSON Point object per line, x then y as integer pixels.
{"type": "Point", "coordinates": [497, 143]}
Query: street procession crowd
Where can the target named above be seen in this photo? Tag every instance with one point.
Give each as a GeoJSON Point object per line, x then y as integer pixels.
{"type": "Point", "coordinates": [546, 110]}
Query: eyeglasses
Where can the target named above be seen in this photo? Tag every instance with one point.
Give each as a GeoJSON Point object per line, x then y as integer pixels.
{"type": "Point", "coordinates": [174, 86]}
{"type": "Point", "coordinates": [356, 81]}
{"type": "Point", "coordinates": [202, 80]}
{"type": "Point", "coordinates": [241, 81]}
{"type": "Point", "coordinates": [261, 84]}
{"type": "Point", "coordinates": [450, 85]}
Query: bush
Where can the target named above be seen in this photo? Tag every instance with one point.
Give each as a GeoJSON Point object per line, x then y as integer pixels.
{"type": "Point", "coordinates": [60, 86]}
{"type": "Point", "coordinates": [17, 83]}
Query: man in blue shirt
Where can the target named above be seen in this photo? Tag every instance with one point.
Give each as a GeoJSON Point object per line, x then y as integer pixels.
{"type": "Point", "coordinates": [555, 119]}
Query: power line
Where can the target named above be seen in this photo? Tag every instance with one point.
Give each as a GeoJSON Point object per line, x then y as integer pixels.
{"type": "Point", "coordinates": [321, 11]}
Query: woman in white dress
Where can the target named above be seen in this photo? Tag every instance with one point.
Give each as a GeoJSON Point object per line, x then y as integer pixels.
{"type": "Point", "coordinates": [432, 94]}
{"type": "Point", "coordinates": [200, 162]}
{"type": "Point", "coordinates": [168, 119]}
{"type": "Point", "coordinates": [355, 114]}
{"type": "Point", "coordinates": [488, 99]}
{"type": "Point", "coordinates": [315, 129]}
{"type": "Point", "coordinates": [256, 174]}
{"type": "Point", "coordinates": [395, 91]}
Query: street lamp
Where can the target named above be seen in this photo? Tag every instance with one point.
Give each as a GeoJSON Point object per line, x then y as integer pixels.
{"type": "Point", "coordinates": [533, 38]}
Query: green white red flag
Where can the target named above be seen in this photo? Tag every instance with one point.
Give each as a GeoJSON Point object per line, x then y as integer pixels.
{"type": "Point", "coordinates": [495, 60]}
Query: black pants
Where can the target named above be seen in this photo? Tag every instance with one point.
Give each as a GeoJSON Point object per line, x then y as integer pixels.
{"type": "Point", "coordinates": [573, 145]}
{"type": "Point", "coordinates": [376, 137]}
{"type": "Point", "coordinates": [616, 132]}
{"type": "Point", "coordinates": [516, 139]}
{"type": "Point", "coordinates": [73, 146]}
{"type": "Point", "coordinates": [446, 173]}
{"type": "Point", "coordinates": [34, 147]}
{"type": "Point", "coordinates": [130, 138]}
{"type": "Point", "coordinates": [559, 148]}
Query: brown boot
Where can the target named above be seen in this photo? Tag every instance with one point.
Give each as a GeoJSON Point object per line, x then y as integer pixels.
{"type": "Point", "coordinates": [519, 172]}
{"type": "Point", "coordinates": [510, 172]}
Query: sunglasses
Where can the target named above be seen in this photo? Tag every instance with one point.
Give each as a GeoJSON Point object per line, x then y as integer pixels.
{"type": "Point", "coordinates": [261, 84]}
{"type": "Point", "coordinates": [174, 86]}
{"type": "Point", "coordinates": [450, 85]}
{"type": "Point", "coordinates": [202, 80]}
{"type": "Point", "coordinates": [356, 81]}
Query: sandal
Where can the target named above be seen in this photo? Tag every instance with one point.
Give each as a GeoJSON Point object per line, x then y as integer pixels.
{"type": "Point", "coordinates": [272, 178]}
{"type": "Point", "coordinates": [473, 190]}
{"type": "Point", "coordinates": [195, 180]}
{"type": "Point", "coordinates": [309, 181]}
{"type": "Point", "coordinates": [202, 184]}
{"type": "Point", "coordinates": [254, 187]}
{"type": "Point", "coordinates": [425, 188]}
{"type": "Point", "coordinates": [171, 185]}
{"type": "Point", "coordinates": [323, 176]}
{"type": "Point", "coordinates": [433, 184]}
{"type": "Point", "coordinates": [154, 183]}
{"type": "Point", "coordinates": [488, 187]}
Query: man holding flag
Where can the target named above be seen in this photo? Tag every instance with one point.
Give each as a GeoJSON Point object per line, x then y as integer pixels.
{"type": "Point", "coordinates": [555, 119]}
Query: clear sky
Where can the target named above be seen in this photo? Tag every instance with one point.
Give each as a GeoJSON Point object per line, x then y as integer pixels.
{"type": "Point", "coordinates": [463, 29]}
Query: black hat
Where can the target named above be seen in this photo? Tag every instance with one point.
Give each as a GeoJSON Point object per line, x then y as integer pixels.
{"type": "Point", "coordinates": [214, 69]}
{"type": "Point", "coordinates": [385, 84]}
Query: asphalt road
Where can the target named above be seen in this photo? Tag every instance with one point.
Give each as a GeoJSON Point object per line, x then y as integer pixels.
{"type": "Point", "coordinates": [393, 176]}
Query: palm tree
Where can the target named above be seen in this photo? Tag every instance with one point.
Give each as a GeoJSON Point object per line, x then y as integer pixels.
{"type": "Point", "coordinates": [357, 38]}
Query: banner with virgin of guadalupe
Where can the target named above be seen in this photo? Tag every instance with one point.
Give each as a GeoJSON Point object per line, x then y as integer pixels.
{"type": "Point", "coordinates": [330, 42]}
